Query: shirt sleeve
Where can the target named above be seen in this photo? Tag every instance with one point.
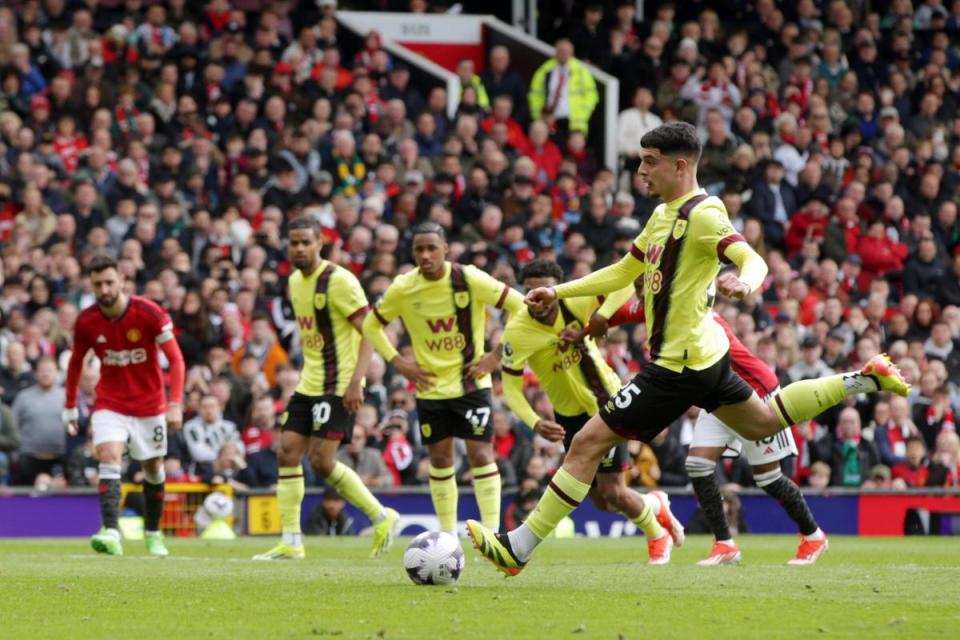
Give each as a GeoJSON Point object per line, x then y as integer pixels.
{"type": "Point", "coordinates": [513, 393]}
{"type": "Point", "coordinates": [514, 355]}
{"type": "Point", "coordinates": [489, 290]}
{"type": "Point", "coordinates": [611, 303]}
{"type": "Point", "coordinates": [349, 297]}
{"type": "Point", "coordinates": [714, 232]}
{"type": "Point", "coordinates": [389, 306]}
{"type": "Point", "coordinates": [161, 325]}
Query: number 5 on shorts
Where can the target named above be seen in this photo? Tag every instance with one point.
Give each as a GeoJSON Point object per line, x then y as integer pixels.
{"type": "Point", "coordinates": [625, 396]}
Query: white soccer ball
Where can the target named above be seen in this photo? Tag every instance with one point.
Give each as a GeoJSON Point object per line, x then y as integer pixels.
{"type": "Point", "coordinates": [218, 505]}
{"type": "Point", "coordinates": [434, 557]}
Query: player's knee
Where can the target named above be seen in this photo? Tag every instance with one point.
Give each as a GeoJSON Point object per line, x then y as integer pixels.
{"type": "Point", "coordinates": [587, 443]}
{"type": "Point", "coordinates": [765, 478]}
{"type": "Point", "coordinates": [698, 467]}
{"type": "Point", "coordinates": [322, 464]}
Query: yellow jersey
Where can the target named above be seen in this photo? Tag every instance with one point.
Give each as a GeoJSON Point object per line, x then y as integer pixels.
{"type": "Point", "coordinates": [678, 253]}
{"type": "Point", "coordinates": [325, 304]}
{"type": "Point", "coordinates": [574, 376]}
{"type": "Point", "coordinates": [445, 321]}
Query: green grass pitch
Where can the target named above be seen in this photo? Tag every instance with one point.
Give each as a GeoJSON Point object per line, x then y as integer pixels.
{"type": "Point", "coordinates": [863, 588]}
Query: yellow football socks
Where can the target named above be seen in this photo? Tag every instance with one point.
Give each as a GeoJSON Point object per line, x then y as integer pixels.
{"type": "Point", "coordinates": [290, 496]}
{"type": "Point", "coordinates": [647, 520]}
{"type": "Point", "coordinates": [563, 495]}
{"type": "Point", "coordinates": [348, 484]}
{"type": "Point", "coordinates": [807, 399]}
{"type": "Point", "coordinates": [443, 490]}
{"type": "Point", "coordinates": [486, 486]}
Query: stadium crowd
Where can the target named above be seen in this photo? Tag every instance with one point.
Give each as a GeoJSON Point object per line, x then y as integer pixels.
{"type": "Point", "coordinates": [181, 138]}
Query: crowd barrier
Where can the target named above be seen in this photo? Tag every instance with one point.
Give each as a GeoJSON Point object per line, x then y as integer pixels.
{"type": "Point", "coordinates": [75, 512]}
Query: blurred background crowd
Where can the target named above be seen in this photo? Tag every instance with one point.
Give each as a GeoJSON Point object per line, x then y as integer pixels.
{"type": "Point", "coordinates": [182, 137]}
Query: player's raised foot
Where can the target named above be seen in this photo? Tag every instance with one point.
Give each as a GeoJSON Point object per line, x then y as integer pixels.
{"type": "Point", "coordinates": [384, 532]}
{"type": "Point", "coordinates": [155, 546]}
{"type": "Point", "coordinates": [282, 552]}
{"type": "Point", "coordinates": [886, 374]}
{"type": "Point", "coordinates": [660, 549]}
{"type": "Point", "coordinates": [495, 548]}
{"type": "Point", "coordinates": [809, 551]}
{"type": "Point", "coordinates": [722, 553]}
{"type": "Point", "coordinates": [667, 520]}
{"type": "Point", "coordinates": [108, 542]}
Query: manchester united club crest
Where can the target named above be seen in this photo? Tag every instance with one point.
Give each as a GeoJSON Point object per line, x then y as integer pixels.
{"type": "Point", "coordinates": [461, 299]}
{"type": "Point", "coordinates": [134, 335]}
{"type": "Point", "coordinates": [679, 228]}
{"type": "Point", "coordinates": [320, 300]}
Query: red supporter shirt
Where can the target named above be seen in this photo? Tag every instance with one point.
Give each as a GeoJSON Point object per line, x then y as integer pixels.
{"type": "Point", "coordinates": [748, 366]}
{"type": "Point", "coordinates": [131, 381]}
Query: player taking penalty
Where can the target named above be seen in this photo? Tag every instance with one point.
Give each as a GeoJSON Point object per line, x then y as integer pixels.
{"type": "Point", "coordinates": [329, 305]}
{"type": "Point", "coordinates": [712, 439]}
{"type": "Point", "coordinates": [578, 381]}
{"type": "Point", "coordinates": [678, 253]}
{"type": "Point", "coordinates": [442, 306]}
{"type": "Point", "coordinates": [126, 333]}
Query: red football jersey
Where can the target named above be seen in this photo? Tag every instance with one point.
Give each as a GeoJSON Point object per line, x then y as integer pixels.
{"type": "Point", "coordinates": [131, 381]}
{"type": "Point", "coordinates": [748, 366]}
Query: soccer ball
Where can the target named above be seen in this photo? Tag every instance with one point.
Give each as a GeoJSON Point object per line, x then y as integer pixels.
{"type": "Point", "coordinates": [434, 557]}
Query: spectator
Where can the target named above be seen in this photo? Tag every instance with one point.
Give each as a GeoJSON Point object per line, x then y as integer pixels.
{"type": "Point", "coordinates": [923, 271]}
{"type": "Point", "coordinates": [260, 441]}
{"type": "Point", "coordinates": [204, 435]}
{"type": "Point", "coordinates": [16, 374]}
{"type": "Point", "coordinates": [500, 79]}
{"type": "Point", "coordinates": [264, 346]}
{"type": "Point", "coordinates": [37, 413]}
{"type": "Point", "coordinates": [563, 93]}
{"type": "Point", "coordinates": [772, 203]}
{"type": "Point", "coordinates": [330, 517]}
{"type": "Point", "coordinates": [9, 441]}
{"type": "Point", "coordinates": [892, 436]}
{"type": "Point", "coordinates": [398, 453]}
{"type": "Point", "coordinates": [853, 456]}
{"type": "Point", "coordinates": [633, 123]}
{"type": "Point", "coordinates": [913, 471]}
{"type": "Point", "coordinates": [811, 365]}
{"type": "Point", "coordinates": [366, 461]}
{"type": "Point", "coordinates": [945, 461]}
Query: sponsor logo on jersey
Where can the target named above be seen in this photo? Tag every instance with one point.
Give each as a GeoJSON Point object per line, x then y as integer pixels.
{"type": "Point", "coordinates": [568, 360]}
{"type": "Point", "coordinates": [461, 299]}
{"type": "Point", "coordinates": [134, 335]}
{"type": "Point", "coordinates": [124, 357]}
{"type": "Point", "coordinates": [455, 342]}
{"type": "Point", "coordinates": [305, 322]}
{"type": "Point", "coordinates": [320, 300]}
{"type": "Point", "coordinates": [654, 253]}
{"type": "Point", "coordinates": [442, 325]}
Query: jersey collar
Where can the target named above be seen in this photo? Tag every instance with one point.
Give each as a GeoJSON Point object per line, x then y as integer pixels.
{"type": "Point", "coordinates": [678, 202]}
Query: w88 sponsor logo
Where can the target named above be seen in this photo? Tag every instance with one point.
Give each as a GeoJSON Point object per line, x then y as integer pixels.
{"type": "Point", "coordinates": [125, 357]}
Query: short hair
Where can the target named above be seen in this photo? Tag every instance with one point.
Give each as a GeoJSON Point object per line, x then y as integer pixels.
{"type": "Point", "coordinates": [542, 269]}
{"type": "Point", "coordinates": [676, 138]}
{"type": "Point", "coordinates": [429, 227]}
{"type": "Point", "coordinates": [100, 262]}
{"type": "Point", "coordinates": [305, 222]}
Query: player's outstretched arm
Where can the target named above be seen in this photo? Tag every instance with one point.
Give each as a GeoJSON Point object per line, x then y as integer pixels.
{"type": "Point", "coordinates": [177, 374]}
{"type": "Point", "coordinates": [613, 278]}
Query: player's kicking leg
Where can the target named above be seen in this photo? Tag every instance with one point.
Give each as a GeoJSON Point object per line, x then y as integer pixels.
{"type": "Point", "coordinates": [570, 485]}
{"type": "Point", "coordinates": [755, 419]}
